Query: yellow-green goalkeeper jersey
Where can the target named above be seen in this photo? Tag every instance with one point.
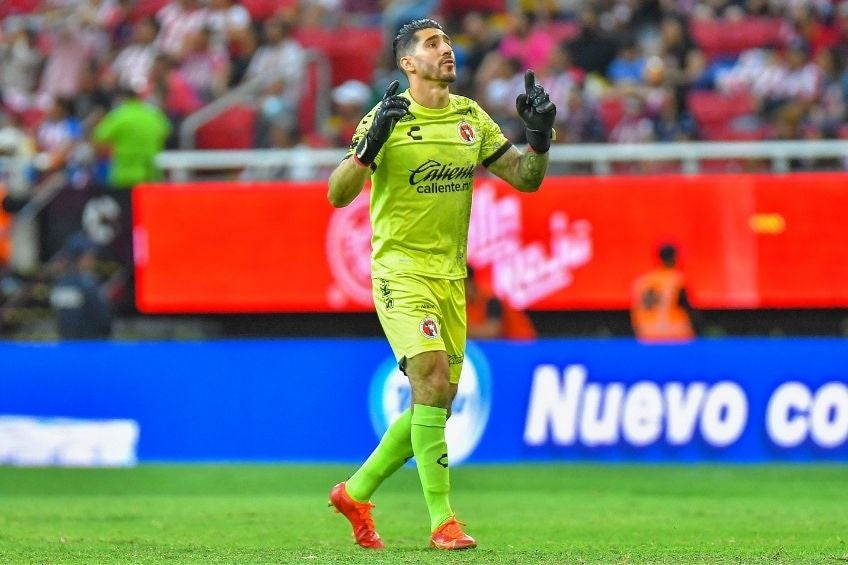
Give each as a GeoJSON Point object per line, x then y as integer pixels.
{"type": "Point", "coordinates": [421, 186]}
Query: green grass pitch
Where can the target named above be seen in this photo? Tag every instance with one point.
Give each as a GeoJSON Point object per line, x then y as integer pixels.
{"type": "Point", "coordinates": [245, 514]}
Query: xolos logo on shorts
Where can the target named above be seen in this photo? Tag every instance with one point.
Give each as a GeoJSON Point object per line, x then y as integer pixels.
{"type": "Point", "coordinates": [429, 328]}
{"type": "Point", "coordinates": [390, 396]}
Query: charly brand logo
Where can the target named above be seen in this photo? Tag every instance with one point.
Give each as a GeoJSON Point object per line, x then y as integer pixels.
{"type": "Point", "coordinates": [390, 396]}
{"type": "Point", "coordinates": [524, 273]}
{"type": "Point", "coordinates": [466, 132]}
{"type": "Point", "coordinates": [429, 328]}
{"type": "Point", "coordinates": [414, 133]}
{"type": "Point", "coordinates": [348, 248]}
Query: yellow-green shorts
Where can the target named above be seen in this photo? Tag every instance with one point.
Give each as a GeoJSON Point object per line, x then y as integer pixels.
{"type": "Point", "coordinates": [421, 314]}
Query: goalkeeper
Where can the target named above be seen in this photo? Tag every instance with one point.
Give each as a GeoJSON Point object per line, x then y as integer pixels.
{"type": "Point", "coordinates": [420, 148]}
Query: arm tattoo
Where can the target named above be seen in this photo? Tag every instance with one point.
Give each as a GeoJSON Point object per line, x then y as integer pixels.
{"type": "Point", "coordinates": [532, 167]}
{"type": "Point", "coordinates": [524, 171]}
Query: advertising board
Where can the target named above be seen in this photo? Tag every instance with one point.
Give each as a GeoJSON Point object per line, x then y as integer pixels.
{"type": "Point", "coordinates": [735, 400]}
{"type": "Point", "coordinates": [745, 241]}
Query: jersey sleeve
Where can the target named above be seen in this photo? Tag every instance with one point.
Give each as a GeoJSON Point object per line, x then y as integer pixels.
{"type": "Point", "coordinates": [494, 142]}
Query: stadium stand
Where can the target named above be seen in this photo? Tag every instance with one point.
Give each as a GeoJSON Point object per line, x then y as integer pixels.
{"type": "Point", "coordinates": [720, 37]}
{"type": "Point", "coordinates": [234, 128]}
{"type": "Point", "coordinates": [352, 40]}
{"type": "Point", "coordinates": [717, 71]}
{"type": "Point", "coordinates": [353, 52]}
{"type": "Point", "coordinates": [611, 110]}
{"type": "Point", "coordinates": [710, 108]}
{"type": "Point", "coordinates": [17, 7]}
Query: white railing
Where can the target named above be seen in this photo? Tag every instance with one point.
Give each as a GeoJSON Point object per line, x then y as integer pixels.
{"type": "Point", "coordinates": [691, 155]}
{"type": "Point", "coordinates": [262, 163]}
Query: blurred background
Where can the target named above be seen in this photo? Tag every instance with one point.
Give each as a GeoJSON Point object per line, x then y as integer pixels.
{"type": "Point", "coordinates": [286, 82]}
{"type": "Point", "coordinates": [716, 129]}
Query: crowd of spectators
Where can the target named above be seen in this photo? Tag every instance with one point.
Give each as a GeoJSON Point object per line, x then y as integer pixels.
{"type": "Point", "coordinates": [619, 71]}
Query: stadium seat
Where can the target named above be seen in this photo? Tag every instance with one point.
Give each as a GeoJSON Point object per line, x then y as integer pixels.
{"type": "Point", "coordinates": [458, 8]}
{"type": "Point", "coordinates": [232, 129]}
{"type": "Point", "coordinates": [709, 107]}
{"type": "Point", "coordinates": [309, 108]}
{"type": "Point", "coordinates": [353, 52]}
{"type": "Point", "coordinates": [263, 9]}
{"type": "Point", "coordinates": [726, 132]}
{"type": "Point", "coordinates": [610, 110]}
{"type": "Point", "coordinates": [147, 8]}
{"type": "Point", "coordinates": [563, 30]}
{"type": "Point", "coordinates": [718, 37]}
{"type": "Point", "coordinates": [13, 7]}
{"type": "Point", "coordinates": [259, 9]}
{"type": "Point", "coordinates": [31, 117]}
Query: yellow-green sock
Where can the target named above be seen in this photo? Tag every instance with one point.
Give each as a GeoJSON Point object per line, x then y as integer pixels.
{"type": "Point", "coordinates": [394, 449]}
{"type": "Point", "coordinates": [431, 456]}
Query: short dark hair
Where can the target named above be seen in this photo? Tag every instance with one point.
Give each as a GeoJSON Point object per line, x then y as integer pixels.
{"type": "Point", "coordinates": [406, 36]}
{"type": "Point", "coordinates": [668, 254]}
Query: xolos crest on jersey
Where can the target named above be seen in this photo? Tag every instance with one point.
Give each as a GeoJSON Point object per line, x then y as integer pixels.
{"type": "Point", "coordinates": [466, 132]}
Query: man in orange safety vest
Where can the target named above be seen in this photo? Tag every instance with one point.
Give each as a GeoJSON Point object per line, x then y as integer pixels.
{"type": "Point", "coordinates": [660, 309]}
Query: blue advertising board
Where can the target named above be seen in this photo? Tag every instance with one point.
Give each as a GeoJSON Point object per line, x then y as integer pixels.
{"type": "Point", "coordinates": [740, 400]}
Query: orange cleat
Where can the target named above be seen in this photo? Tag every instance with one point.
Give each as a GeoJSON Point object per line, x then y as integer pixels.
{"type": "Point", "coordinates": [450, 536]}
{"type": "Point", "coordinates": [359, 516]}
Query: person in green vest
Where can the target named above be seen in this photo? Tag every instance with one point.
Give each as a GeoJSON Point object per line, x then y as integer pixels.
{"type": "Point", "coordinates": [135, 132]}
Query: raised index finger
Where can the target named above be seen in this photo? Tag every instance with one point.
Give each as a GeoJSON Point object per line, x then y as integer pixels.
{"type": "Point", "coordinates": [392, 89]}
{"type": "Point", "coordinates": [529, 82]}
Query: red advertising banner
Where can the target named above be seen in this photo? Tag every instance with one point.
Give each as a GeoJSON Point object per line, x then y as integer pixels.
{"type": "Point", "coordinates": [745, 241]}
{"type": "Point", "coordinates": [5, 229]}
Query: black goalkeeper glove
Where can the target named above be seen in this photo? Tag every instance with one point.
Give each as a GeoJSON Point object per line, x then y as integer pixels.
{"type": "Point", "coordinates": [392, 109]}
{"type": "Point", "coordinates": [537, 112]}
